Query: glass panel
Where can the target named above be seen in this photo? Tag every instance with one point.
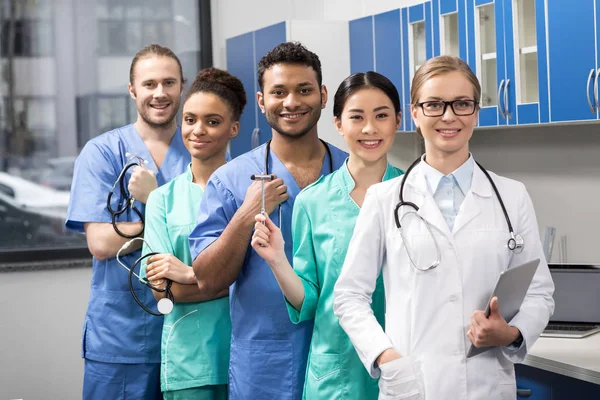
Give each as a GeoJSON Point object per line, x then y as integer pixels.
{"type": "Point", "coordinates": [38, 98]}
{"type": "Point", "coordinates": [486, 55]}
{"type": "Point", "coordinates": [419, 48]}
{"type": "Point", "coordinates": [489, 95]}
{"type": "Point", "coordinates": [526, 51]}
{"type": "Point", "coordinates": [450, 42]}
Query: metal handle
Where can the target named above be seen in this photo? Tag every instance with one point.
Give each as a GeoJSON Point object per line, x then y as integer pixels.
{"type": "Point", "coordinates": [596, 89]}
{"type": "Point", "coordinates": [524, 392]}
{"type": "Point", "coordinates": [506, 111]}
{"type": "Point", "coordinates": [255, 138]}
{"type": "Point", "coordinates": [499, 102]}
{"type": "Point", "coordinates": [587, 91]}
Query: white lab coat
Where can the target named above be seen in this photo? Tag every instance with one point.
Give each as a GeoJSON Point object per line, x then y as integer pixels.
{"type": "Point", "coordinates": [428, 312]}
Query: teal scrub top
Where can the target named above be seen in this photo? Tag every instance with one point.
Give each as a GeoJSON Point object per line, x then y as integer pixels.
{"type": "Point", "coordinates": [323, 221]}
{"type": "Point", "coordinates": [195, 336]}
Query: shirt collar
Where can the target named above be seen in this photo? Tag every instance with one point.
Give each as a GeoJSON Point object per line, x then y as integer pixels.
{"type": "Point", "coordinates": [348, 182]}
{"type": "Point", "coordinates": [463, 175]}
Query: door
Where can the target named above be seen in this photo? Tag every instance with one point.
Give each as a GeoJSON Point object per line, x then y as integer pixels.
{"type": "Point", "coordinates": [240, 63]}
{"type": "Point", "coordinates": [362, 57]}
{"type": "Point", "coordinates": [572, 60]}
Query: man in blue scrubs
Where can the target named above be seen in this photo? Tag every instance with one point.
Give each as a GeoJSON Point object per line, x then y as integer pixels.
{"type": "Point", "coordinates": [121, 342]}
{"type": "Point", "coordinates": [268, 352]}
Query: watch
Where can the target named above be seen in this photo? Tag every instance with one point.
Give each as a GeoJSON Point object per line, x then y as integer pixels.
{"type": "Point", "coordinates": [518, 341]}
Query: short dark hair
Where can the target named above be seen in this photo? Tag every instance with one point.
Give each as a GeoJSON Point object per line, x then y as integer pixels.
{"type": "Point", "coordinates": [222, 84]}
{"type": "Point", "coordinates": [292, 53]}
{"type": "Point", "coordinates": [157, 51]}
{"type": "Point", "coordinates": [362, 80]}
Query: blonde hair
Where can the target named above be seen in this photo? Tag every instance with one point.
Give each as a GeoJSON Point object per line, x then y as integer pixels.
{"type": "Point", "coordinates": [442, 65]}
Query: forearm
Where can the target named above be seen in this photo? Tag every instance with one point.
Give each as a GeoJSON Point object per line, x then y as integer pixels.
{"type": "Point", "coordinates": [289, 282]}
{"type": "Point", "coordinates": [192, 294]}
{"type": "Point", "coordinates": [104, 242]}
{"type": "Point", "coordinates": [219, 265]}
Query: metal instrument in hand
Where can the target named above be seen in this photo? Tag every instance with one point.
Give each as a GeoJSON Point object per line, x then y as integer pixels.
{"type": "Point", "coordinates": [165, 305]}
{"type": "Point", "coordinates": [515, 243]}
{"type": "Point", "coordinates": [126, 201]}
{"type": "Point", "coordinates": [262, 179]}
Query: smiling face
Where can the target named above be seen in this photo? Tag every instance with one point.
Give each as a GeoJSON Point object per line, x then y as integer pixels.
{"type": "Point", "coordinates": [291, 99]}
{"type": "Point", "coordinates": [156, 89]}
{"type": "Point", "coordinates": [447, 134]}
{"type": "Point", "coordinates": [207, 126]}
{"type": "Point", "coordinates": [368, 124]}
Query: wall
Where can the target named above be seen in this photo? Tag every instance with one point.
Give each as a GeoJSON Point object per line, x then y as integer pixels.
{"type": "Point", "coordinates": [559, 164]}
{"type": "Point", "coordinates": [42, 317]}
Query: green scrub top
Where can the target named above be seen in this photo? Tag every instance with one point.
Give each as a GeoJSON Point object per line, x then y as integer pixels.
{"type": "Point", "coordinates": [323, 221]}
{"type": "Point", "coordinates": [195, 336]}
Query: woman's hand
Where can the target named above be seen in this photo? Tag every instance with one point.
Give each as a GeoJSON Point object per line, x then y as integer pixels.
{"type": "Point", "coordinates": [167, 266]}
{"type": "Point", "coordinates": [267, 241]}
{"type": "Point", "coordinates": [493, 330]}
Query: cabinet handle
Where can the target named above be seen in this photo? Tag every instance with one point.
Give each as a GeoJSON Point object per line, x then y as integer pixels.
{"type": "Point", "coordinates": [255, 138]}
{"type": "Point", "coordinates": [506, 111]}
{"type": "Point", "coordinates": [587, 91]}
{"type": "Point", "coordinates": [596, 89]}
{"type": "Point", "coordinates": [500, 102]}
{"type": "Point", "coordinates": [524, 392]}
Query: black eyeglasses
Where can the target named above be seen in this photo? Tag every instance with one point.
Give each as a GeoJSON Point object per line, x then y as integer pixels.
{"type": "Point", "coordinates": [438, 108]}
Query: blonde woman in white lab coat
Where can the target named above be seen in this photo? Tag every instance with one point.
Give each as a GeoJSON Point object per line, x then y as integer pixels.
{"type": "Point", "coordinates": [434, 314]}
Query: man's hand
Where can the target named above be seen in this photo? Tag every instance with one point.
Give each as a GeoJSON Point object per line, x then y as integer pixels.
{"type": "Point", "coordinates": [141, 183]}
{"type": "Point", "coordinates": [275, 194]}
{"type": "Point", "coordinates": [493, 330]}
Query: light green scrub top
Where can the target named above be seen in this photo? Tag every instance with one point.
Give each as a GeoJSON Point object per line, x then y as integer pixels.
{"type": "Point", "coordinates": [195, 336]}
{"type": "Point", "coordinates": [323, 221]}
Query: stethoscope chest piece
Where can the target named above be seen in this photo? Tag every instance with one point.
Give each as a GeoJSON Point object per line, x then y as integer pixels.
{"type": "Point", "coordinates": [165, 306]}
{"type": "Point", "coordinates": [516, 243]}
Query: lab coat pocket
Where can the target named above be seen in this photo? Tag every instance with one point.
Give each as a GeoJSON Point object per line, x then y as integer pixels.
{"type": "Point", "coordinates": [401, 379]}
{"type": "Point", "coordinates": [507, 385]}
{"type": "Point", "coordinates": [325, 378]}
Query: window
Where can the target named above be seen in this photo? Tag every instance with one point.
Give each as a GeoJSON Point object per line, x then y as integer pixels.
{"type": "Point", "coordinates": [64, 69]}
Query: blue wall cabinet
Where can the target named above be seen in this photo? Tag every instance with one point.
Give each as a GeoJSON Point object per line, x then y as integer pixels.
{"type": "Point", "coordinates": [417, 44]}
{"type": "Point", "coordinates": [449, 28]}
{"type": "Point", "coordinates": [507, 48]}
{"type": "Point", "coordinates": [375, 45]}
{"type": "Point", "coordinates": [328, 39]}
{"type": "Point", "coordinates": [572, 37]}
{"type": "Point", "coordinates": [243, 53]}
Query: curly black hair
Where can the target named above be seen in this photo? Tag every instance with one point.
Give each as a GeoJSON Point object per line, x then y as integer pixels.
{"type": "Point", "coordinates": [222, 84]}
{"type": "Point", "coordinates": [289, 52]}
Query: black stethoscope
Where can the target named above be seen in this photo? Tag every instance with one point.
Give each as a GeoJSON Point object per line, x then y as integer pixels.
{"type": "Point", "coordinates": [165, 305]}
{"type": "Point", "coordinates": [515, 242]}
{"type": "Point", "coordinates": [268, 151]}
{"type": "Point", "coordinates": [125, 195]}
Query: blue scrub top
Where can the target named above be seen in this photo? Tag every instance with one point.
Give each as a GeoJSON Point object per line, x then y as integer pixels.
{"type": "Point", "coordinates": [116, 329]}
{"type": "Point", "coordinates": [268, 352]}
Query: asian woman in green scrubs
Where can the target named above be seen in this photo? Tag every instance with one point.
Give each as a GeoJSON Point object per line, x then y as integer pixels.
{"type": "Point", "coordinates": [367, 114]}
{"type": "Point", "coordinates": [196, 334]}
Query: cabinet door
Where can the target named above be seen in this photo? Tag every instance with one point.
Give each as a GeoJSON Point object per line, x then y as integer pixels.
{"type": "Point", "coordinates": [532, 383]}
{"type": "Point", "coordinates": [361, 45]}
{"type": "Point", "coordinates": [449, 28]}
{"type": "Point", "coordinates": [264, 40]}
{"type": "Point", "coordinates": [489, 54]}
{"type": "Point", "coordinates": [240, 63]}
{"type": "Point", "coordinates": [572, 60]}
{"type": "Point", "coordinates": [417, 43]}
{"type": "Point", "coordinates": [526, 61]}
{"type": "Point", "coordinates": [388, 52]}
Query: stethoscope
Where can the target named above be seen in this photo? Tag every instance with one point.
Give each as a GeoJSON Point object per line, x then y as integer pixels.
{"type": "Point", "coordinates": [165, 305]}
{"type": "Point", "coordinates": [267, 174]}
{"type": "Point", "coordinates": [129, 200]}
{"type": "Point", "coordinates": [515, 243]}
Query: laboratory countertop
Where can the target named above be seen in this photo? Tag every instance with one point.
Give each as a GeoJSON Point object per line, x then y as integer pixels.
{"type": "Point", "coordinates": [576, 358]}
